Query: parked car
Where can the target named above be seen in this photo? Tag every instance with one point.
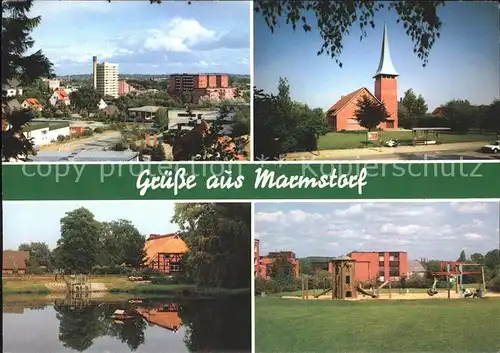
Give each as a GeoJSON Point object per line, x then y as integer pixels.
{"type": "Point", "coordinates": [491, 147]}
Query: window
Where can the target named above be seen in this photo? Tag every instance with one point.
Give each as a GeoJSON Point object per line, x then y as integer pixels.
{"type": "Point", "coordinates": [381, 258]}
{"type": "Point", "coordinates": [381, 264]}
{"type": "Point", "coordinates": [175, 268]}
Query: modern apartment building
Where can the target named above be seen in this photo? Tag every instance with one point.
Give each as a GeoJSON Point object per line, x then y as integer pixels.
{"type": "Point", "coordinates": [380, 265]}
{"type": "Point", "coordinates": [190, 82]}
{"type": "Point", "coordinates": [262, 264]}
{"type": "Point", "coordinates": [106, 78]}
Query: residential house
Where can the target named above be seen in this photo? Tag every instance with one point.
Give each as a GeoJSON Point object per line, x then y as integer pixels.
{"type": "Point", "coordinates": [110, 110]}
{"type": "Point", "coordinates": [12, 88]}
{"type": "Point", "coordinates": [13, 105]}
{"type": "Point", "coordinates": [14, 262]}
{"type": "Point", "coordinates": [59, 98]}
{"type": "Point", "coordinates": [102, 104]}
{"type": "Point", "coordinates": [32, 103]}
{"type": "Point", "coordinates": [10, 106]}
{"type": "Point", "coordinates": [165, 252]}
{"type": "Point", "coordinates": [53, 85]}
{"type": "Point", "coordinates": [145, 113]}
{"type": "Point", "coordinates": [262, 264]}
{"type": "Point", "coordinates": [415, 267]}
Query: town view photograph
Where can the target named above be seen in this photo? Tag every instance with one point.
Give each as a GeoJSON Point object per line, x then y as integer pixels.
{"type": "Point", "coordinates": [127, 277]}
{"type": "Point", "coordinates": [398, 276]}
{"type": "Point", "coordinates": [131, 81]}
{"type": "Point", "coordinates": [407, 80]}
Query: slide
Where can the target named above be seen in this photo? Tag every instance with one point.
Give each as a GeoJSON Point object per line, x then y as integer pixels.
{"type": "Point", "coordinates": [322, 293]}
{"type": "Point", "coordinates": [365, 292]}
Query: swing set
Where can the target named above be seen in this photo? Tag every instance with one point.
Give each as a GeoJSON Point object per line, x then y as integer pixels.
{"type": "Point", "coordinates": [454, 273]}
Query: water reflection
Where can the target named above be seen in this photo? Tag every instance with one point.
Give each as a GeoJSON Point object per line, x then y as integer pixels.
{"type": "Point", "coordinates": [145, 324]}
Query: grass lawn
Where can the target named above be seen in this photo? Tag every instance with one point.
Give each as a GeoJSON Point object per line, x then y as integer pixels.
{"type": "Point", "coordinates": [357, 139]}
{"type": "Point", "coordinates": [283, 325]}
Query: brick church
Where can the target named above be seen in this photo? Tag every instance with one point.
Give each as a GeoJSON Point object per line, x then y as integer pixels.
{"type": "Point", "coordinates": [341, 115]}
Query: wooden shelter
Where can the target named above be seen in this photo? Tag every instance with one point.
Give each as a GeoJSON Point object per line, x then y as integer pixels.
{"type": "Point", "coordinates": [165, 252]}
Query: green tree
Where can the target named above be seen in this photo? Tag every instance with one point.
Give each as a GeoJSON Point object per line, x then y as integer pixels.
{"type": "Point", "coordinates": [241, 121]}
{"type": "Point", "coordinates": [132, 242]}
{"type": "Point", "coordinates": [492, 259]}
{"type": "Point", "coordinates": [305, 266]}
{"type": "Point", "coordinates": [16, 40]}
{"type": "Point", "coordinates": [370, 113]}
{"type": "Point", "coordinates": [492, 117]}
{"type": "Point", "coordinates": [334, 20]}
{"type": "Point", "coordinates": [161, 120]}
{"type": "Point", "coordinates": [85, 99]}
{"type": "Point", "coordinates": [432, 266]}
{"type": "Point", "coordinates": [281, 269]}
{"type": "Point", "coordinates": [282, 125]}
{"type": "Point", "coordinates": [40, 255]}
{"type": "Point", "coordinates": [218, 238]}
{"type": "Point", "coordinates": [414, 107]}
{"type": "Point", "coordinates": [78, 246]}
{"type": "Point", "coordinates": [477, 258]}
{"type": "Point", "coordinates": [121, 243]}
{"type": "Point", "coordinates": [462, 256]}
{"type": "Point", "coordinates": [461, 115]}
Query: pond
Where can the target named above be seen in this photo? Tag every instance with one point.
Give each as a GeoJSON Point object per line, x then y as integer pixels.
{"type": "Point", "coordinates": [148, 325]}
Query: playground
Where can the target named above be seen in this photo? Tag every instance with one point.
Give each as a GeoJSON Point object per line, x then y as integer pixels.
{"type": "Point", "coordinates": [344, 286]}
{"type": "Point", "coordinates": [357, 316]}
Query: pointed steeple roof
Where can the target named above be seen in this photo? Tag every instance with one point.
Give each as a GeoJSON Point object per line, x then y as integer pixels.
{"type": "Point", "coordinates": [385, 67]}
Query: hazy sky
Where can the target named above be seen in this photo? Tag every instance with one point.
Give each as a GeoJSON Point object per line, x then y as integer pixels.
{"type": "Point", "coordinates": [145, 38]}
{"type": "Point", "coordinates": [424, 230]}
{"type": "Point", "coordinates": [463, 64]}
{"type": "Point", "coordinates": [43, 223]}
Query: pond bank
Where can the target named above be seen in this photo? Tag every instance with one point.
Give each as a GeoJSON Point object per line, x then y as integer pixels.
{"type": "Point", "coordinates": [113, 285]}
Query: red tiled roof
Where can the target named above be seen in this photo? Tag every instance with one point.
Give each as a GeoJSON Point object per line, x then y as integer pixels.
{"type": "Point", "coordinates": [33, 102]}
{"type": "Point", "coordinates": [14, 259]}
{"type": "Point", "coordinates": [342, 102]}
{"type": "Point", "coordinates": [438, 111]}
{"type": "Point", "coordinates": [62, 95]}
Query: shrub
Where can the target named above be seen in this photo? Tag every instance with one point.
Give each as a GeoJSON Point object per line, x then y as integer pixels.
{"type": "Point", "coordinates": [60, 138]}
{"type": "Point", "coordinates": [98, 130]}
{"type": "Point", "coordinates": [87, 132]}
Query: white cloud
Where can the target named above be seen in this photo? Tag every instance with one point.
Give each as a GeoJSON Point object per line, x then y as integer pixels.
{"type": "Point", "coordinates": [269, 216]}
{"type": "Point", "coordinates": [473, 236]}
{"type": "Point", "coordinates": [83, 52]}
{"type": "Point", "coordinates": [390, 228]}
{"type": "Point", "coordinates": [301, 216]}
{"type": "Point", "coordinates": [354, 209]}
{"type": "Point", "coordinates": [469, 207]}
{"type": "Point", "coordinates": [179, 35]}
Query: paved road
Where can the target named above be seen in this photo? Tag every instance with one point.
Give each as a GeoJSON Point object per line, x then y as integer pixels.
{"type": "Point", "coordinates": [442, 155]}
{"type": "Point", "coordinates": [99, 143]}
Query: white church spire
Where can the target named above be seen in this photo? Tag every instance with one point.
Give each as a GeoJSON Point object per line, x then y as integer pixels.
{"type": "Point", "coordinates": [385, 67]}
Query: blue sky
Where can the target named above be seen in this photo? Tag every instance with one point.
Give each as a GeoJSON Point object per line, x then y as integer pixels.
{"type": "Point", "coordinates": [463, 64]}
{"type": "Point", "coordinates": [424, 230]}
{"type": "Point", "coordinates": [145, 38]}
{"type": "Point", "coordinates": [149, 217]}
